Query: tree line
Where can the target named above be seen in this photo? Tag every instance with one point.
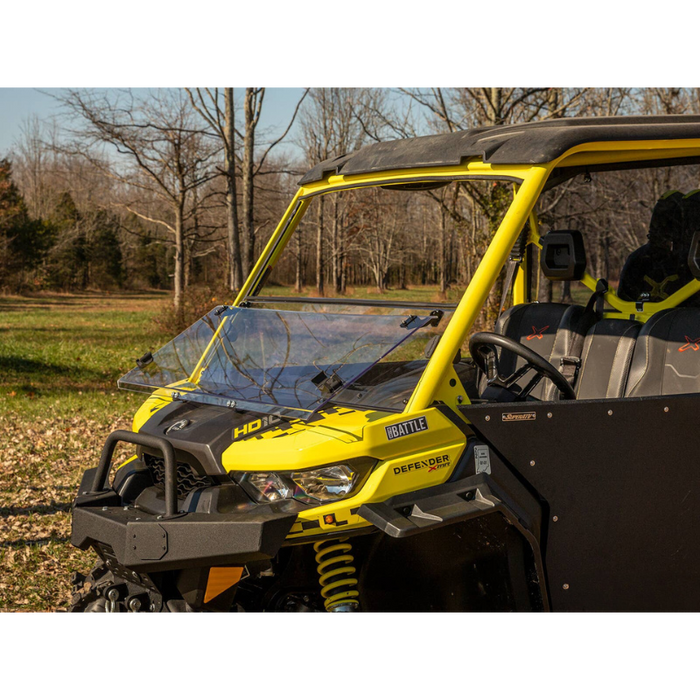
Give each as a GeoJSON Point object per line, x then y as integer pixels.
{"type": "Point", "coordinates": [179, 189]}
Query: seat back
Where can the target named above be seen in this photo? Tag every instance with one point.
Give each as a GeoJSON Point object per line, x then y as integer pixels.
{"type": "Point", "coordinates": [548, 329]}
{"type": "Point", "coordinates": [660, 267]}
{"type": "Point", "coordinates": [606, 358]}
{"type": "Point", "coordinates": [666, 358]}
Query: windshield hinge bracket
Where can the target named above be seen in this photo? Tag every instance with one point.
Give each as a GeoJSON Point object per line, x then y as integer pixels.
{"type": "Point", "coordinates": [327, 384]}
{"type": "Point", "coordinates": [144, 360]}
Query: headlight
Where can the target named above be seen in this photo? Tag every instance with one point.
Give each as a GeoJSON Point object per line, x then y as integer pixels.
{"type": "Point", "coordinates": [314, 486]}
{"type": "Point", "coordinates": [327, 484]}
{"type": "Point", "coordinates": [265, 487]}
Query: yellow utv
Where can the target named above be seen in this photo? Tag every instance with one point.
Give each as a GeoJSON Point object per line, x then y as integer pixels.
{"type": "Point", "coordinates": [346, 454]}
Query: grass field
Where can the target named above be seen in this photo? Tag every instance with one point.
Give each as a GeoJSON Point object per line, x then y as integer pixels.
{"type": "Point", "coordinates": [60, 357]}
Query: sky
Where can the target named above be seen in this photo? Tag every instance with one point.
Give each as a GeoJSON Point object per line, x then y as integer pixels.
{"type": "Point", "coordinates": [19, 104]}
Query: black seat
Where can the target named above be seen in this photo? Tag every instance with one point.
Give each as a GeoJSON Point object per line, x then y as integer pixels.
{"type": "Point", "coordinates": [607, 347]}
{"type": "Point", "coordinates": [606, 358]}
{"type": "Point", "coordinates": [548, 329]}
{"type": "Point", "coordinates": [666, 358]}
{"type": "Point", "coordinates": [660, 267]}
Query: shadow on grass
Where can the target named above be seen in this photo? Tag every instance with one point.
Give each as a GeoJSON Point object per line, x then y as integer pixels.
{"type": "Point", "coordinates": [53, 488]}
{"type": "Point", "coordinates": [38, 541]}
{"type": "Point", "coordinates": [57, 330]}
{"type": "Point", "coordinates": [42, 372]}
{"type": "Point", "coordinates": [38, 509]}
{"type": "Point", "coordinates": [14, 303]}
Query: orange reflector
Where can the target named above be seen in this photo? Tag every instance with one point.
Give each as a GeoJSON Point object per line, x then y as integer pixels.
{"type": "Point", "coordinates": [220, 579]}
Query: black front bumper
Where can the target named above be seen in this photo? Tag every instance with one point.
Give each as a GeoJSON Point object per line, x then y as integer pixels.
{"type": "Point", "coordinates": [145, 542]}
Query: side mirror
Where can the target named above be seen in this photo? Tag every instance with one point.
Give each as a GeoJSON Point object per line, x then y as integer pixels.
{"type": "Point", "coordinates": [563, 255]}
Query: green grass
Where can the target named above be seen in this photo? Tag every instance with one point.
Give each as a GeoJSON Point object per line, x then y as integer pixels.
{"type": "Point", "coordinates": [60, 357]}
{"type": "Point", "coordinates": [55, 350]}
{"type": "Point", "coordinates": [428, 293]}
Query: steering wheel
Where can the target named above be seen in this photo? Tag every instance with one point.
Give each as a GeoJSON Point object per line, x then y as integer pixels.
{"type": "Point", "coordinates": [482, 347]}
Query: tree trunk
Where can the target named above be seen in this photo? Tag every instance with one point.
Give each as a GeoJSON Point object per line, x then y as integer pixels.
{"type": "Point", "coordinates": [235, 271]}
{"type": "Point", "coordinates": [248, 167]}
{"type": "Point", "coordinates": [606, 256]}
{"type": "Point", "coordinates": [566, 297]}
{"type": "Point", "coordinates": [337, 248]}
{"type": "Point", "coordinates": [179, 281]}
{"type": "Point", "coordinates": [319, 249]}
{"type": "Point", "coordinates": [343, 272]}
{"type": "Point", "coordinates": [298, 281]}
{"type": "Point", "coordinates": [546, 290]}
{"type": "Point", "coordinates": [443, 261]}
{"type": "Point", "coordinates": [495, 106]}
{"type": "Point", "coordinates": [187, 274]}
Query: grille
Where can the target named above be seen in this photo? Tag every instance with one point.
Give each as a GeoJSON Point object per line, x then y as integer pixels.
{"type": "Point", "coordinates": [187, 478]}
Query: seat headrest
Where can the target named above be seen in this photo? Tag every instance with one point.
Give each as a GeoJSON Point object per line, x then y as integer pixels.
{"type": "Point", "coordinates": [666, 225]}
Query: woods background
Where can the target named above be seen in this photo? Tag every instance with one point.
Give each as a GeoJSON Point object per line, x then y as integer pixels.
{"type": "Point", "coordinates": [179, 189]}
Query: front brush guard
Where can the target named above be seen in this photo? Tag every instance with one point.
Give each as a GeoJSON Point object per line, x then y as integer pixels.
{"type": "Point", "coordinates": [146, 542]}
{"type": "Point", "coordinates": [100, 479]}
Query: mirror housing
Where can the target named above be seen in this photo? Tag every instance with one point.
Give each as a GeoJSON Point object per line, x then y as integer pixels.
{"type": "Point", "coordinates": [563, 255]}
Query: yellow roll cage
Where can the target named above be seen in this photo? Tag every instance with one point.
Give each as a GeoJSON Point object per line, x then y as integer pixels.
{"type": "Point", "coordinates": [530, 181]}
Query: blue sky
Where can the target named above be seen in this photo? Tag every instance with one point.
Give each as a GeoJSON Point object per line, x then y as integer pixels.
{"type": "Point", "coordinates": [18, 104]}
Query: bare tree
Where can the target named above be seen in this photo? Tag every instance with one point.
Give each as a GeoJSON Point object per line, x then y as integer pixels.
{"type": "Point", "coordinates": [252, 166]}
{"type": "Point", "coordinates": [222, 122]}
{"type": "Point", "coordinates": [378, 223]}
{"type": "Point", "coordinates": [336, 121]}
{"type": "Point", "coordinates": [155, 147]}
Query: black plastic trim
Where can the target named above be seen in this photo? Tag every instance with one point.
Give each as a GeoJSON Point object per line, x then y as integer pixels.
{"type": "Point", "coordinates": [531, 143]}
{"type": "Point", "coordinates": [348, 302]}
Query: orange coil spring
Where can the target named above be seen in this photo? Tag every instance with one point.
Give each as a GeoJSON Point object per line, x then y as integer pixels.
{"type": "Point", "coordinates": [336, 573]}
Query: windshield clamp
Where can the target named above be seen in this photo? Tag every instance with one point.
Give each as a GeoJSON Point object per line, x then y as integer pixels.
{"type": "Point", "coordinates": [437, 317]}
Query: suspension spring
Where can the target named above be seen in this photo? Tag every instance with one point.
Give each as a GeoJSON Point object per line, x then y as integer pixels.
{"type": "Point", "coordinates": [337, 575]}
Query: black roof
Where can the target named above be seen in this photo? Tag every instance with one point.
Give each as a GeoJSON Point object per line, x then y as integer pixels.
{"type": "Point", "coordinates": [531, 143]}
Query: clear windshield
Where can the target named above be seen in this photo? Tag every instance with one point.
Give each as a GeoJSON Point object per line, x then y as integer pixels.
{"type": "Point", "coordinates": [285, 362]}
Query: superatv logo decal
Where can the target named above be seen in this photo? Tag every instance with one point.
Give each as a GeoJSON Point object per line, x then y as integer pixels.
{"type": "Point", "coordinates": [255, 425]}
{"type": "Point", "coordinates": [432, 464]}
{"type": "Point", "coordinates": [690, 344]}
{"type": "Point", "coordinates": [408, 427]}
{"type": "Point", "coordinates": [537, 333]}
{"type": "Point", "coordinates": [518, 416]}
